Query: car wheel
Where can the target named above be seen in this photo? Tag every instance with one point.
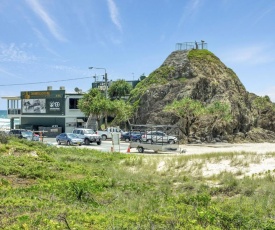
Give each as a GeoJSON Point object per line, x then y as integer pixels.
{"type": "Point", "coordinates": [104, 137]}
{"type": "Point", "coordinates": [171, 142]}
{"type": "Point", "coordinates": [98, 143]}
{"type": "Point", "coordinates": [58, 142]}
{"type": "Point", "coordinates": [140, 149]}
{"type": "Point", "coordinates": [80, 144]}
{"type": "Point", "coordinates": [127, 139]}
{"type": "Point", "coordinates": [87, 141]}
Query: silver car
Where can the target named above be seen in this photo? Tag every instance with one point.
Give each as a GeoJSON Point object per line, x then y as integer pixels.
{"type": "Point", "coordinates": [68, 139]}
{"type": "Point", "coordinates": [158, 137]}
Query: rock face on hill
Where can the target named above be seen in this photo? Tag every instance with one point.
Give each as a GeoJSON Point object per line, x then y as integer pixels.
{"type": "Point", "coordinates": [201, 76]}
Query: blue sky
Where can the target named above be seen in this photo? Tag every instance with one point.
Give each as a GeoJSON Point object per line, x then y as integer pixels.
{"type": "Point", "coordinates": [57, 40]}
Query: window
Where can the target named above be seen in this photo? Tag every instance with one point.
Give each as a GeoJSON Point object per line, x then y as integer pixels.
{"type": "Point", "coordinates": [73, 103]}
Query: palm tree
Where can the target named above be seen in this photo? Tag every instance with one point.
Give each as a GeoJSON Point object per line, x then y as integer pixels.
{"type": "Point", "coordinates": [92, 105]}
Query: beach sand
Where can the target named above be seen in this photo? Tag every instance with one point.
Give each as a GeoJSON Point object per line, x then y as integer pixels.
{"type": "Point", "coordinates": [259, 148]}
{"type": "Point", "coordinates": [250, 164]}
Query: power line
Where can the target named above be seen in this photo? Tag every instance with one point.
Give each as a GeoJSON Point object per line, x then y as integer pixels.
{"type": "Point", "coordinates": [33, 83]}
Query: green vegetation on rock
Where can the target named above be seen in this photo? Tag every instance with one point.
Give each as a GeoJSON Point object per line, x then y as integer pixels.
{"type": "Point", "coordinates": [159, 76]}
{"type": "Point", "coordinates": [231, 73]}
{"type": "Point", "coordinates": [198, 54]}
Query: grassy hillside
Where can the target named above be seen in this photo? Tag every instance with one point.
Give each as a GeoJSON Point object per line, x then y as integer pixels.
{"type": "Point", "coordinates": [44, 187]}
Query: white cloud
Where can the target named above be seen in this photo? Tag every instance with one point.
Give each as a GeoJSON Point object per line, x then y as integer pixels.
{"type": "Point", "coordinates": [69, 70]}
{"type": "Point", "coordinates": [7, 73]}
{"type": "Point", "coordinates": [255, 54]}
{"type": "Point", "coordinates": [44, 41]}
{"type": "Point", "coordinates": [50, 23]}
{"type": "Point", "coordinates": [195, 4]}
{"type": "Point", "coordinates": [12, 53]}
{"type": "Point", "coordinates": [190, 9]}
{"type": "Point", "coordinates": [263, 14]}
{"type": "Point", "coordinates": [114, 14]}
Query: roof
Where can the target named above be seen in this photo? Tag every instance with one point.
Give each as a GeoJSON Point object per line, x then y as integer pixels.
{"type": "Point", "coordinates": [11, 97]}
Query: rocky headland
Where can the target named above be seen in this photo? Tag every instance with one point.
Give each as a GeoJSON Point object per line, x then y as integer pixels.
{"type": "Point", "coordinates": [202, 77]}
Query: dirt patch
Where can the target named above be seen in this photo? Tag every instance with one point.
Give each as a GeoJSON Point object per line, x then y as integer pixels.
{"type": "Point", "coordinates": [15, 181]}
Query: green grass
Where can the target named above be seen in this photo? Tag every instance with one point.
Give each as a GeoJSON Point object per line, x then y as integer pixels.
{"type": "Point", "coordinates": [44, 187]}
{"type": "Point", "coordinates": [203, 55]}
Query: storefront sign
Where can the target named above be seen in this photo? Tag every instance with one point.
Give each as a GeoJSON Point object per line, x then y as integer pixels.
{"type": "Point", "coordinates": [43, 102]}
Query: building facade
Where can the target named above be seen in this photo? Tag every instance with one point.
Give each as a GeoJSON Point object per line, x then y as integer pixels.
{"type": "Point", "coordinates": [51, 111]}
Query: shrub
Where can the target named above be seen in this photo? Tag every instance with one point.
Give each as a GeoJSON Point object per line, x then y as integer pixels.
{"type": "Point", "coordinates": [3, 138]}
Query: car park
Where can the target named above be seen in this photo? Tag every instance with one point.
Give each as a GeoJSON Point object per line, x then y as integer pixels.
{"type": "Point", "coordinates": [158, 137]}
{"type": "Point", "coordinates": [68, 139]}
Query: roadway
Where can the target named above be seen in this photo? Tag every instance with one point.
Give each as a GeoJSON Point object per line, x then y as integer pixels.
{"type": "Point", "coordinates": [190, 149]}
{"type": "Point", "coordinates": [106, 146]}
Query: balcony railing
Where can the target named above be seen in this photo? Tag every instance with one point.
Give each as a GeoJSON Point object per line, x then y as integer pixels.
{"type": "Point", "coordinates": [14, 111]}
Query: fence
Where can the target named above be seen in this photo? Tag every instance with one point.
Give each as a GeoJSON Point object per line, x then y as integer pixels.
{"type": "Point", "coordinates": [191, 45]}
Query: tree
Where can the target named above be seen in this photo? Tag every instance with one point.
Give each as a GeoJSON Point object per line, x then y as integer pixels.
{"type": "Point", "coordinates": [107, 109]}
{"type": "Point", "coordinates": [123, 110]}
{"type": "Point", "coordinates": [119, 89]}
{"type": "Point", "coordinates": [260, 104]}
{"type": "Point", "coordinates": [220, 112]}
{"type": "Point", "coordinates": [94, 104]}
{"type": "Point", "coordinates": [187, 110]}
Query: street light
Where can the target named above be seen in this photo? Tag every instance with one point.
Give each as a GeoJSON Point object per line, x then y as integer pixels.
{"type": "Point", "coordinates": [104, 78]}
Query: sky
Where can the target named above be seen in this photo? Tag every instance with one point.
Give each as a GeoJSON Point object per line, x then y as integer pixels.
{"type": "Point", "coordinates": [54, 42]}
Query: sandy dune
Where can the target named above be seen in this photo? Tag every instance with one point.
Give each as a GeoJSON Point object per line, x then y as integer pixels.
{"type": "Point", "coordinates": [259, 148]}
{"type": "Point", "coordinates": [266, 163]}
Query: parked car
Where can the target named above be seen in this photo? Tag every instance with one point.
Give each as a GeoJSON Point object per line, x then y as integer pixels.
{"type": "Point", "coordinates": [88, 135]}
{"type": "Point", "coordinates": [158, 137]}
{"type": "Point", "coordinates": [25, 134]}
{"type": "Point", "coordinates": [69, 139]}
{"type": "Point", "coordinates": [131, 136]}
{"type": "Point", "coordinates": [107, 134]}
{"type": "Point", "coordinates": [16, 132]}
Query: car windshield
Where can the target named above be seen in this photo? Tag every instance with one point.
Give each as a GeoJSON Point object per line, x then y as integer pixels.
{"type": "Point", "coordinates": [135, 132]}
{"type": "Point", "coordinates": [72, 135]}
{"type": "Point", "coordinates": [27, 134]}
{"type": "Point", "coordinates": [89, 131]}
